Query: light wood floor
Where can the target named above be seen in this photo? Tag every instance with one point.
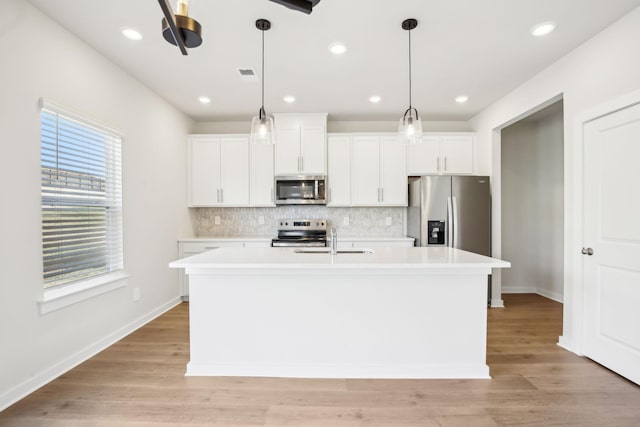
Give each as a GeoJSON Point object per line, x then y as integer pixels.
{"type": "Point", "coordinates": [140, 381]}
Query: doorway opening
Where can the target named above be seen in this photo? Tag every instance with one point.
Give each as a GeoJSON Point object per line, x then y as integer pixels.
{"type": "Point", "coordinates": [532, 208]}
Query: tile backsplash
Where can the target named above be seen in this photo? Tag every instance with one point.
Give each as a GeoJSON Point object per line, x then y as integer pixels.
{"type": "Point", "coordinates": [246, 222]}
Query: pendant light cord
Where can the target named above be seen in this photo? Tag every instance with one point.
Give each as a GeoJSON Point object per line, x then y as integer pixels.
{"type": "Point", "coordinates": [262, 109]}
{"type": "Point", "coordinates": [409, 69]}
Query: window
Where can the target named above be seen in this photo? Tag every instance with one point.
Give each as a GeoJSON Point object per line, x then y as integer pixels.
{"type": "Point", "coordinates": [81, 197]}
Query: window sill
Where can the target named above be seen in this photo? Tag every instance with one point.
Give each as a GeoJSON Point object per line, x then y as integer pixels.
{"type": "Point", "coordinates": [55, 299]}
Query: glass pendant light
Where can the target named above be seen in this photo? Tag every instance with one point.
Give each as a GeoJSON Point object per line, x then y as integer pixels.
{"type": "Point", "coordinates": [410, 128]}
{"type": "Point", "coordinates": [262, 124]}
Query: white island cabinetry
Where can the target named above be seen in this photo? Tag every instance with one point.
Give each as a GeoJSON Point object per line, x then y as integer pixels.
{"type": "Point", "coordinates": [392, 313]}
{"type": "Point", "coordinates": [193, 246]}
{"type": "Point", "coordinates": [375, 242]}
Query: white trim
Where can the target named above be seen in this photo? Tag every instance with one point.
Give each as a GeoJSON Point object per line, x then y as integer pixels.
{"type": "Point", "coordinates": [38, 380]}
{"type": "Point", "coordinates": [573, 336]}
{"type": "Point", "coordinates": [46, 104]}
{"type": "Point", "coordinates": [497, 303]}
{"type": "Point", "coordinates": [555, 296]}
{"type": "Point", "coordinates": [59, 297]}
{"type": "Point", "coordinates": [567, 344]}
{"type": "Point", "coordinates": [519, 290]}
{"type": "Point", "coordinates": [338, 370]}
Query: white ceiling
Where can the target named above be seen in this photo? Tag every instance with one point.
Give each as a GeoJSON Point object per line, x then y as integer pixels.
{"type": "Point", "coordinates": [479, 48]}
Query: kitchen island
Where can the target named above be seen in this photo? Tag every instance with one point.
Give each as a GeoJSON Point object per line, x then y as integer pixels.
{"type": "Point", "coordinates": [386, 313]}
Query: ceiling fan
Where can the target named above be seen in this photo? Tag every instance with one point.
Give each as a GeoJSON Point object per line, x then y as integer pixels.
{"type": "Point", "coordinates": [305, 6]}
{"type": "Point", "coordinates": [185, 32]}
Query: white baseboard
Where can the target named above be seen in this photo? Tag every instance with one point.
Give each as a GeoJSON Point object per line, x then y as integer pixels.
{"type": "Point", "coordinates": [556, 296]}
{"type": "Point", "coordinates": [339, 370]}
{"type": "Point", "coordinates": [519, 289]}
{"type": "Point", "coordinates": [22, 390]}
{"type": "Point", "coordinates": [497, 303]}
{"type": "Point", "coordinates": [568, 344]}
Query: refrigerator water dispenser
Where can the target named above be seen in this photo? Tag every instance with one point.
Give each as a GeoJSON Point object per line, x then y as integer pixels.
{"type": "Point", "coordinates": [436, 232]}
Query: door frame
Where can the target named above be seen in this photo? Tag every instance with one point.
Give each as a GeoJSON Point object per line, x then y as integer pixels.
{"type": "Point", "coordinates": [574, 319]}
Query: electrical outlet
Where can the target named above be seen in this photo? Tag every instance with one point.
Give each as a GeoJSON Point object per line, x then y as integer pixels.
{"type": "Point", "coordinates": [136, 294]}
{"type": "Point", "coordinates": [388, 221]}
{"type": "Point", "coordinates": [261, 220]}
{"type": "Point", "coordinates": [216, 220]}
{"type": "Point", "coordinates": [345, 220]}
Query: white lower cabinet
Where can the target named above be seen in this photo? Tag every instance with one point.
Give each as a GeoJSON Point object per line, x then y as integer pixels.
{"type": "Point", "coordinates": [188, 248]}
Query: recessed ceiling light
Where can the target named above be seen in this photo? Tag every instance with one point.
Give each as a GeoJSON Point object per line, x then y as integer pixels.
{"type": "Point", "coordinates": [462, 99]}
{"type": "Point", "coordinates": [204, 99]}
{"type": "Point", "coordinates": [337, 48]}
{"type": "Point", "coordinates": [543, 28]}
{"type": "Point", "coordinates": [289, 99]}
{"type": "Point", "coordinates": [375, 99]}
{"type": "Point", "coordinates": [132, 34]}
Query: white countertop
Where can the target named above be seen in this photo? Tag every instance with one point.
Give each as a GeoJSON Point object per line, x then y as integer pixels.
{"type": "Point", "coordinates": [268, 238]}
{"type": "Point", "coordinates": [380, 258]}
{"type": "Point", "coordinates": [225, 239]}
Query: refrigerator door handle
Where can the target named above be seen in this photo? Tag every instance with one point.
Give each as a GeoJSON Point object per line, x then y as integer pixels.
{"type": "Point", "coordinates": [449, 222]}
{"type": "Point", "coordinates": [455, 221]}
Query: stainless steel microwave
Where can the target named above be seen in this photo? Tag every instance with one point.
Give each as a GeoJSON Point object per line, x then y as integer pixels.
{"type": "Point", "coordinates": [301, 190]}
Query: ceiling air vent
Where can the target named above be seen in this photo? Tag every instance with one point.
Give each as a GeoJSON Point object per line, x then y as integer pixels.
{"type": "Point", "coordinates": [247, 75]}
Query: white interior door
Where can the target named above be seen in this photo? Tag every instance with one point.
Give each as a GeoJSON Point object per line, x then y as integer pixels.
{"type": "Point", "coordinates": [612, 241]}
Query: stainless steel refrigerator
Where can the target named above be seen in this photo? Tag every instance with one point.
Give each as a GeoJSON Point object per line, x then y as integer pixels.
{"type": "Point", "coordinates": [450, 211]}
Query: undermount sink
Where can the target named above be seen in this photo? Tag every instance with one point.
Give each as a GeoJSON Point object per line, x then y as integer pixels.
{"type": "Point", "coordinates": [340, 251]}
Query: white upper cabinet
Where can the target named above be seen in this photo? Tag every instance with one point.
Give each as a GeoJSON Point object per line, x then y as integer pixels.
{"type": "Point", "coordinates": [365, 175]}
{"type": "Point", "coordinates": [261, 174]}
{"type": "Point", "coordinates": [218, 170]}
{"type": "Point", "coordinates": [393, 172]}
{"type": "Point", "coordinates": [301, 144]}
{"type": "Point", "coordinates": [339, 171]}
{"type": "Point", "coordinates": [442, 153]}
{"type": "Point", "coordinates": [367, 170]}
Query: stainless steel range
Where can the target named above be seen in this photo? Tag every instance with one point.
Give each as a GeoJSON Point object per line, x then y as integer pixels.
{"type": "Point", "coordinates": [301, 232]}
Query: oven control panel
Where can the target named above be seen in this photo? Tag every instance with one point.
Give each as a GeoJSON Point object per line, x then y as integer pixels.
{"type": "Point", "coordinates": [302, 224]}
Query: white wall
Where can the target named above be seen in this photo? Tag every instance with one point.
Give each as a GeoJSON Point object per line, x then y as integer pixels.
{"type": "Point", "coordinates": [40, 59]}
{"type": "Point", "coordinates": [533, 206]}
{"type": "Point", "coordinates": [605, 67]}
{"type": "Point", "coordinates": [337, 126]}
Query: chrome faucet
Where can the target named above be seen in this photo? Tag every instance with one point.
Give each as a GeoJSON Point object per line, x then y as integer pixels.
{"type": "Point", "coordinates": [334, 241]}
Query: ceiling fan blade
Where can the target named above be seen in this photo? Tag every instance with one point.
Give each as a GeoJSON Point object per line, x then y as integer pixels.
{"type": "Point", "coordinates": [305, 6]}
{"type": "Point", "coordinates": [171, 20]}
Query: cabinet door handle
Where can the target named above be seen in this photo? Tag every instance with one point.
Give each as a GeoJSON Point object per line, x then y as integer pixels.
{"type": "Point", "coordinates": [298, 163]}
{"type": "Point", "coordinates": [301, 163]}
{"type": "Point", "coordinates": [445, 163]}
{"type": "Point", "coordinates": [438, 163]}
{"type": "Point", "coordinates": [221, 195]}
{"type": "Point", "coordinates": [382, 194]}
{"type": "Point", "coordinates": [218, 195]}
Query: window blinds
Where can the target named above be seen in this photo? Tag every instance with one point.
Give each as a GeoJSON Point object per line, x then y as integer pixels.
{"type": "Point", "coordinates": [81, 198]}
